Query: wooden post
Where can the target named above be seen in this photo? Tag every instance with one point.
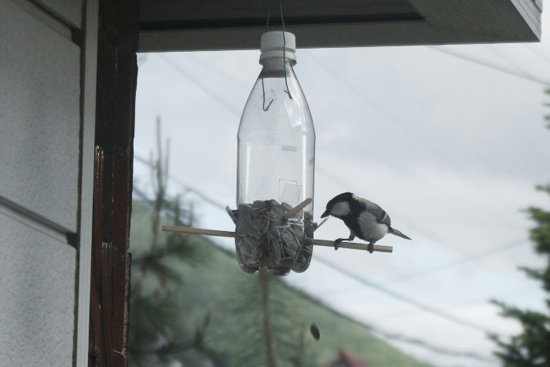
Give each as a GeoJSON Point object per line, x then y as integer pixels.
{"type": "Point", "coordinates": [116, 88]}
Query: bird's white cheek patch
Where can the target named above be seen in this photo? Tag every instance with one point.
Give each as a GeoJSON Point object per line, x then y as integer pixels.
{"type": "Point", "coordinates": [340, 209]}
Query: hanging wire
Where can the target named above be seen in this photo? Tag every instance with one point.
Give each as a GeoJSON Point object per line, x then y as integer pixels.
{"type": "Point", "coordinates": [263, 87]}
{"type": "Point", "coordinates": [284, 47]}
{"type": "Point", "coordinates": [287, 91]}
{"type": "Point", "coordinates": [263, 95]}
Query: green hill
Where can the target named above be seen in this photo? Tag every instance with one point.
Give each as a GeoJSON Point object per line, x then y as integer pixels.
{"type": "Point", "coordinates": [216, 285]}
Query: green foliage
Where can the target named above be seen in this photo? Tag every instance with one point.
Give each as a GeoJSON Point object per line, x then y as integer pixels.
{"type": "Point", "coordinates": [531, 348]}
{"type": "Point", "coordinates": [161, 330]}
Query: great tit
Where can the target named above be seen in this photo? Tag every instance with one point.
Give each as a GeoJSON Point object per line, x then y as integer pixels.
{"type": "Point", "coordinates": [365, 219]}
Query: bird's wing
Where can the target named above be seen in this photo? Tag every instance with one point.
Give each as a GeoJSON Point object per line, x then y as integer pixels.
{"type": "Point", "coordinates": [379, 213]}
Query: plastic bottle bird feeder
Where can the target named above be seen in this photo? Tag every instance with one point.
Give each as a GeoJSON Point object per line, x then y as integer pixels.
{"type": "Point", "coordinates": [275, 165]}
{"type": "Point", "coordinates": [275, 170]}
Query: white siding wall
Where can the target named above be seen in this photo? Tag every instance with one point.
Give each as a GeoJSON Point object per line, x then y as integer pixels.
{"type": "Point", "coordinates": [40, 99]}
{"type": "Point", "coordinates": [37, 294]}
{"type": "Point", "coordinates": [40, 154]}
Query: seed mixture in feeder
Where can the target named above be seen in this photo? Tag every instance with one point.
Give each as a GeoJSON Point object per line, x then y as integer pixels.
{"type": "Point", "coordinates": [265, 238]}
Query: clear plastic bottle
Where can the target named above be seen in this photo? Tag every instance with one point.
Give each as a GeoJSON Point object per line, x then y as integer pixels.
{"type": "Point", "coordinates": [276, 139]}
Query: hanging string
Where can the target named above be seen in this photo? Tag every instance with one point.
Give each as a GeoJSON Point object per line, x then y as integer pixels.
{"type": "Point", "coordinates": [263, 95]}
{"type": "Point", "coordinates": [287, 91]}
{"type": "Point", "coordinates": [265, 108]}
{"type": "Point", "coordinates": [284, 47]}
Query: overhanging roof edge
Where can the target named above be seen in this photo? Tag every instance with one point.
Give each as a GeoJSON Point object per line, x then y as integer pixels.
{"type": "Point", "coordinates": [435, 22]}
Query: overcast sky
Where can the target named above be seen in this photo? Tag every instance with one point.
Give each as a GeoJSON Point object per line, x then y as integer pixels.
{"type": "Point", "coordinates": [451, 149]}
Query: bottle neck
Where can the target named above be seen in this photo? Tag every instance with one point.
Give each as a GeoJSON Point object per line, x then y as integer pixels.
{"type": "Point", "coordinates": [277, 63]}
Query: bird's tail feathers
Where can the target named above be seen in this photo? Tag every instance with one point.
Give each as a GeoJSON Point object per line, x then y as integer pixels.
{"type": "Point", "coordinates": [398, 233]}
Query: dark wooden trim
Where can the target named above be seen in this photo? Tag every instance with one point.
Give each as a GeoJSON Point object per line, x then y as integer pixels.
{"type": "Point", "coordinates": [116, 89]}
{"type": "Point", "coordinates": [187, 24]}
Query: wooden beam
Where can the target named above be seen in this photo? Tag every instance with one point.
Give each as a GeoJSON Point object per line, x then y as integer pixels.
{"type": "Point", "coordinates": [116, 88]}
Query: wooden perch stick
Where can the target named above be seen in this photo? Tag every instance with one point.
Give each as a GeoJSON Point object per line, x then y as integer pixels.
{"type": "Point", "coordinates": [292, 212]}
{"type": "Point", "coordinates": [353, 245]}
{"type": "Point", "coordinates": [191, 230]}
{"type": "Point", "coordinates": [213, 232]}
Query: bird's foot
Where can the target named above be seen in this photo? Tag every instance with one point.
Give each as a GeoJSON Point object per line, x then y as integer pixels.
{"type": "Point", "coordinates": [370, 247]}
{"type": "Point", "coordinates": [337, 243]}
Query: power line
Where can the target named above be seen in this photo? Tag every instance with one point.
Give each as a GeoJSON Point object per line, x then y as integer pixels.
{"type": "Point", "coordinates": [505, 59]}
{"type": "Point", "coordinates": [429, 272]}
{"type": "Point", "coordinates": [539, 53]}
{"type": "Point", "coordinates": [405, 299]}
{"type": "Point", "coordinates": [197, 82]}
{"type": "Point", "coordinates": [488, 253]}
{"type": "Point", "coordinates": [234, 81]}
{"type": "Point", "coordinates": [492, 66]}
{"type": "Point", "coordinates": [429, 346]}
{"type": "Point", "coordinates": [197, 192]}
{"type": "Point", "coordinates": [411, 133]}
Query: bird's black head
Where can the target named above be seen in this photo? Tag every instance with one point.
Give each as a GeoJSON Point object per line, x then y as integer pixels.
{"type": "Point", "coordinates": [339, 206]}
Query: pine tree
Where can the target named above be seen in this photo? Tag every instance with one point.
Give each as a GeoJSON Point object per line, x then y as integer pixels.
{"type": "Point", "coordinates": [531, 347]}
{"type": "Point", "coordinates": [162, 330]}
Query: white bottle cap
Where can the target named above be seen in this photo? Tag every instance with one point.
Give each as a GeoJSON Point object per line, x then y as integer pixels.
{"type": "Point", "coordinates": [272, 44]}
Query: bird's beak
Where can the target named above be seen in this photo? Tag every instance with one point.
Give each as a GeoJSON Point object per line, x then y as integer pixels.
{"type": "Point", "coordinates": [325, 214]}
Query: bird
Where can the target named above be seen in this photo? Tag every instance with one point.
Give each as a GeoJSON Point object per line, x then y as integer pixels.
{"type": "Point", "coordinates": [364, 219]}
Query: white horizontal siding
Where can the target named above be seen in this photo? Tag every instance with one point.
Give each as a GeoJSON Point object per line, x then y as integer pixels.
{"type": "Point", "coordinates": [39, 117]}
{"type": "Point", "coordinates": [39, 191]}
{"type": "Point", "coordinates": [36, 294]}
